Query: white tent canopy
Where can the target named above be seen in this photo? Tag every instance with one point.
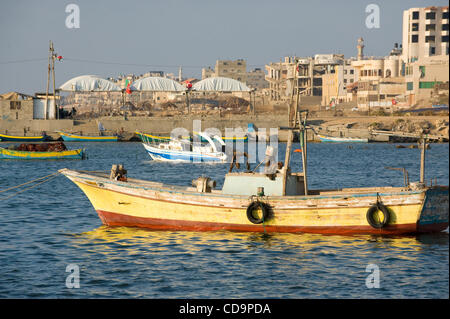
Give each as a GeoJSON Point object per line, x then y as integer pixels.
{"type": "Point", "coordinates": [157, 84]}
{"type": "Point", "coordinates": [89, 83]}
{"type": "Point", "coordinates": [220, 84]}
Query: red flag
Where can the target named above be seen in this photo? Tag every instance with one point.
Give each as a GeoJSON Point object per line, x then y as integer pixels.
{"type": "Point", "coordinates": [128, 90]}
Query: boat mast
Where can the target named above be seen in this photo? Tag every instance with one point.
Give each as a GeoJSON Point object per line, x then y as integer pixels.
{"type": "Point", "coordinates": [422, 159]}
{"type": "Point", "coordinates": [297, 123]}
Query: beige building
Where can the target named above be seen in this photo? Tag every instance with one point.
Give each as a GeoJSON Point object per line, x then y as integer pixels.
{"type": "Point", "coordinates": [425, 33]}
{"type": "Point", "coordinates": [379, 80]}
{"type": "Point", "coordinates": [425, 78]}
{"type": "Point", "coordinates": [256, 79]}
{"type": "Point", "coordinates": [334, 84]}
{"type": "Point", "coordinates": [236, 70]}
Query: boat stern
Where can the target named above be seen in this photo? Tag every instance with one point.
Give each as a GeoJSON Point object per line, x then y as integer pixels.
{"type": "Point", "coordinates": [434, 214]}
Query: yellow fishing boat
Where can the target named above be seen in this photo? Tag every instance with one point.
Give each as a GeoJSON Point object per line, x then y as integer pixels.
{"type": "Point", "coordinates": [348, 211]}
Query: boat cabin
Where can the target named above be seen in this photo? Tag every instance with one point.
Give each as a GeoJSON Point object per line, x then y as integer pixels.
{"type": "Point", "coordinates": [271, 184]}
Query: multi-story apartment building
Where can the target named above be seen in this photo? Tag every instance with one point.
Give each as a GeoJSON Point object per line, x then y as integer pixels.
{"type": "Point", "coordinates": [256, 79]}
{"type": "Point", "coordinates": [236, 70]}
{"type": "Point", "coordinates": [425, 52]}
{"type": "Point", "coordinates": [425, 33]}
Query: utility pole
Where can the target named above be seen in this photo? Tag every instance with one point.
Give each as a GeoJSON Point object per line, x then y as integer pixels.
{"type": "Point", "coordinates": [51, 67]}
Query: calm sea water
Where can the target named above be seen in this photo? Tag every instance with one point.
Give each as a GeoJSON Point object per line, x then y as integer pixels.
{"type": "Point", "coordinates": [47, 228]}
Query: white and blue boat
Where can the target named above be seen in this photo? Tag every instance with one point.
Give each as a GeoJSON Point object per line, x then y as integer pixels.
{"type": "Point", "coordinates": [333, 139]}
{"type": "Point", "coordinates": [183, 150]}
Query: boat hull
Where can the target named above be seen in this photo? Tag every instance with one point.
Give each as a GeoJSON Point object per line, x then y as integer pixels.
{"type": "Point", "coordinates": [155, 207]}
{"type": "Point", "coordinates": [331, 139]}
{"type": "Point", "coordinates": [10, 138]}
{"type": "Point", "coordinates": [79, 138]}
{"type": "Point", "coordinates": [24, 155]}
{"type": "Point", "coordinates": [179, 156]}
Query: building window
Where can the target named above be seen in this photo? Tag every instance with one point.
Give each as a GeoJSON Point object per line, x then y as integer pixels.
{"type": "Point", "coordinates": [409, 86]}
{"type": "Point", "coordinates": [445, 15]}
{"type": "Point", "coordinates": [430, 27]}
{"type": "Point", "coordinates": [445, 27]}
{"type": "Point", "coordinates": [380, 72]}
{"type": "Point", "coordinates": [422, 71]}
{"type": "Point", "coordinates": [415, 27]}
{"type": "Point", "coordinates": [427, 85]}
{"type": "Point", "coordinates": [429, 39]}
{"type": "Point", "coordinates": [414, 38]}
{"type": "Point", "coordinates": [14, 105]}
{"type": "Point", "coordinates": [430, 15]}
{"type": "Point", "coordinates": [351, 71]}
{"type": "Point", "coordinates": [432, 50]}
{"type": "Point", "coordinates": [415, 15]}
{"type": "Point", "coordinates": [444, 38]}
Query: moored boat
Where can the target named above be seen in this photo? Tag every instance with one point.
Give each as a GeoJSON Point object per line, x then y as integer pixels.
{"type": "Point", "coordinates": [147, 137]}
{"type": "Point", "coordinates": [154, 205]}
{"type": "Point", "coordinates": [12, 138]}
{"type": "Point", "coordinates": [67, 137]}
{"type": "Point", "coordinates": [184, 150]}
{"type": "Point", "coordinates": [41, 152]}
{"type": "Point", "coordinates": [334, 139]}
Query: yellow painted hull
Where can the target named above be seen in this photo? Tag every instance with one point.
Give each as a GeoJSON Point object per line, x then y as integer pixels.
{"type": "Point", "coordinates": [13, 154]}
{"type": "Point", "coordinates": [153, 206]}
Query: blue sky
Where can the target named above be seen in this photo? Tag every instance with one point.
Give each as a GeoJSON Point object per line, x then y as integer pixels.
{"type": "Point", "coordinates": [122, 37]}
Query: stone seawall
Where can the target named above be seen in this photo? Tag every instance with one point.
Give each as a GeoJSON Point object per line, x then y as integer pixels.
{"type": "Point", "coordinates": [153, 125]}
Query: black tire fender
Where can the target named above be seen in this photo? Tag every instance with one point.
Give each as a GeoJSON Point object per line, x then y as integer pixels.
{"type": "Point", "coordinates": [254, 205]}
{"type": "Point", "coordinates": [370, 215]}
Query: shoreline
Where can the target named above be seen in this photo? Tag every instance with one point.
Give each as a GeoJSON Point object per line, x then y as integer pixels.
{"type": "Point", "coordinates": [354, 126]}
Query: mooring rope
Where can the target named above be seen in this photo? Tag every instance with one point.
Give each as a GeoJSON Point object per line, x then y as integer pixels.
{"type": "Point", "coordinates": [44, 180]}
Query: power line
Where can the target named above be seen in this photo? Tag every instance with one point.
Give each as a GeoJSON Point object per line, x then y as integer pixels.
{"type": "Point", "coordinates": [23, 61]}
{"type": "Point", "coordinates": [116, 63]}
{"type": "Point", "coordinates": [146, 65]}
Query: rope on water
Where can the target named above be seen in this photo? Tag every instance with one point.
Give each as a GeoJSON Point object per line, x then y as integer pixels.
{"type": "Point", "coordinates": [34, 180]}
{"type": "Point", "coordinates": [44, 180]}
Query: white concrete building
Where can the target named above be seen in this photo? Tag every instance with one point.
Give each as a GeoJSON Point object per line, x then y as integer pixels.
{"type": "Point", "coordinates": [425, 33]}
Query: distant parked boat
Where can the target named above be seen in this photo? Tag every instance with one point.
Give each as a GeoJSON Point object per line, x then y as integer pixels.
{"type": "Point", "coordinates": [82, 138]}
{"type": "Point", "coordinates": [41, 152]}
{"type": "Point", "coordinates": [11, 138]}
{"type": "Point", "coordinates": [334, 139]}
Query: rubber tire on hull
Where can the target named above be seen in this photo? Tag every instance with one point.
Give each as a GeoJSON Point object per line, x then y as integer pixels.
{"type": "Point", "coordinates": [265, 212]}
{"type": "Point", "coordinates": [372, 210]}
